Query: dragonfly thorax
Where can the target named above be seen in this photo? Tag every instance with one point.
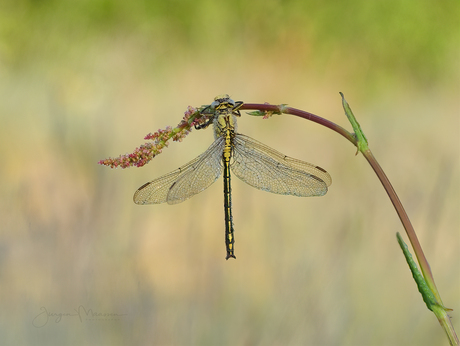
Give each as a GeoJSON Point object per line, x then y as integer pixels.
{"type": "Point", "coordinates": [224, 116]}
{"type": "Point", "coordinates": [224, 121]}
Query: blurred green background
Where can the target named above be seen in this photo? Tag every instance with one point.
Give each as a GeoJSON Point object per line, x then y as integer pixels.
{"type": "Point", "coordinates": [84, 80]}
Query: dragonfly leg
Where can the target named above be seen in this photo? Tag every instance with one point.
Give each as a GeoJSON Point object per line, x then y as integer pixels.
{"type": "Point", "coordinates": [236, 108]}
{"type": "Point", "coordinates": [205, 125]}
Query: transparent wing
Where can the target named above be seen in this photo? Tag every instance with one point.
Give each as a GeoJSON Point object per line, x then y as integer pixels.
{"type": "Point", "coordinates": [185, 182]}
{"type": "Point", "coordinates": [267, 169]}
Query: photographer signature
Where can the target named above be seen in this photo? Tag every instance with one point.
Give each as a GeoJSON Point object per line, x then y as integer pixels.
{"type": "Point", "coordinates": [81, 312]}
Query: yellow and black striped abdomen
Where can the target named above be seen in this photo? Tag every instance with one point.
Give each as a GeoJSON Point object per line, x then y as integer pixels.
{"type": "Point", "coordinates": [226, 156]}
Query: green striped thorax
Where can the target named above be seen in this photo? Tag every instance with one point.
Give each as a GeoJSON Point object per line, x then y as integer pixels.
{"type": "Point", "coordinates": [226, 111]}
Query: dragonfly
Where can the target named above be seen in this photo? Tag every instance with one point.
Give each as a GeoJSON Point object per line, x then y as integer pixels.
{"type": "Point", "coordinates": [231, 152]}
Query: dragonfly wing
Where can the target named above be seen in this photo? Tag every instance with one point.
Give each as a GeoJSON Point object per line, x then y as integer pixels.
{"type": "Point", "coordinates": [267, 169]}
{"type": "Point", "coordinates": [186, 181]}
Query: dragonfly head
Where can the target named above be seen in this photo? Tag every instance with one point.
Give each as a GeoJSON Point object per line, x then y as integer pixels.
{"type": "Point", "coordinates": [222, 102]}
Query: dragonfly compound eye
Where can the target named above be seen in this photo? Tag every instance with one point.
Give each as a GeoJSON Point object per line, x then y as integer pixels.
{"type": "Point", "coordinates": [221, 98]}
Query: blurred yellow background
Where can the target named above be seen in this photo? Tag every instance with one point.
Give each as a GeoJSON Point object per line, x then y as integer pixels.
{"type": "Point", "coordinates": [84, 80]}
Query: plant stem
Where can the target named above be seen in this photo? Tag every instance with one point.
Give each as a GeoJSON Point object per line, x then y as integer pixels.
{"type": "Point", "coordinates": [306, 115]}
{"type": "Point", "coordinates": [424, 266]}
{"type": "Point", "coordinates": [359, 140]}
{"type": "Point", "coordinates": [377, 169]}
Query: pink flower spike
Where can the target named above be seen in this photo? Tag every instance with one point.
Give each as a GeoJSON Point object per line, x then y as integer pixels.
{"type": "Point", "coordinates": [146, 152]}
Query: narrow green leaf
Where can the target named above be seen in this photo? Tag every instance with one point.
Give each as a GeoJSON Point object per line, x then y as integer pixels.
{"type": "Point", "coordinates": [256, 113]}
{"type": "Point", "coordinates": [423, 288]}
{"type": "Point", "coordinates": [359, 134]}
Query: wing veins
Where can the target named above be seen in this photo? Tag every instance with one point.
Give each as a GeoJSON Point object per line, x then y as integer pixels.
{"type": "Point", "coordinates": [186, 181]}
{"type": "Point", "coordinates": [267, 169]}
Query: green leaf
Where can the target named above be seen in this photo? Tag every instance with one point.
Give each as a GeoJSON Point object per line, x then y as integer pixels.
{"type": "Point", "coordinates": [361, 144]}
{"type": "Point", "coordinates": [427, 295]}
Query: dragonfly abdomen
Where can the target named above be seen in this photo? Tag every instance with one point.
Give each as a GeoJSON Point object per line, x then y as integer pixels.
{"type": "Point", "coordinates": [226, 156]}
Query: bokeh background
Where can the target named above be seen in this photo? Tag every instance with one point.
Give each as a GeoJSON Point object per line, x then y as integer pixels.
{"type": "Point", "coordinates": [84, 80]}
